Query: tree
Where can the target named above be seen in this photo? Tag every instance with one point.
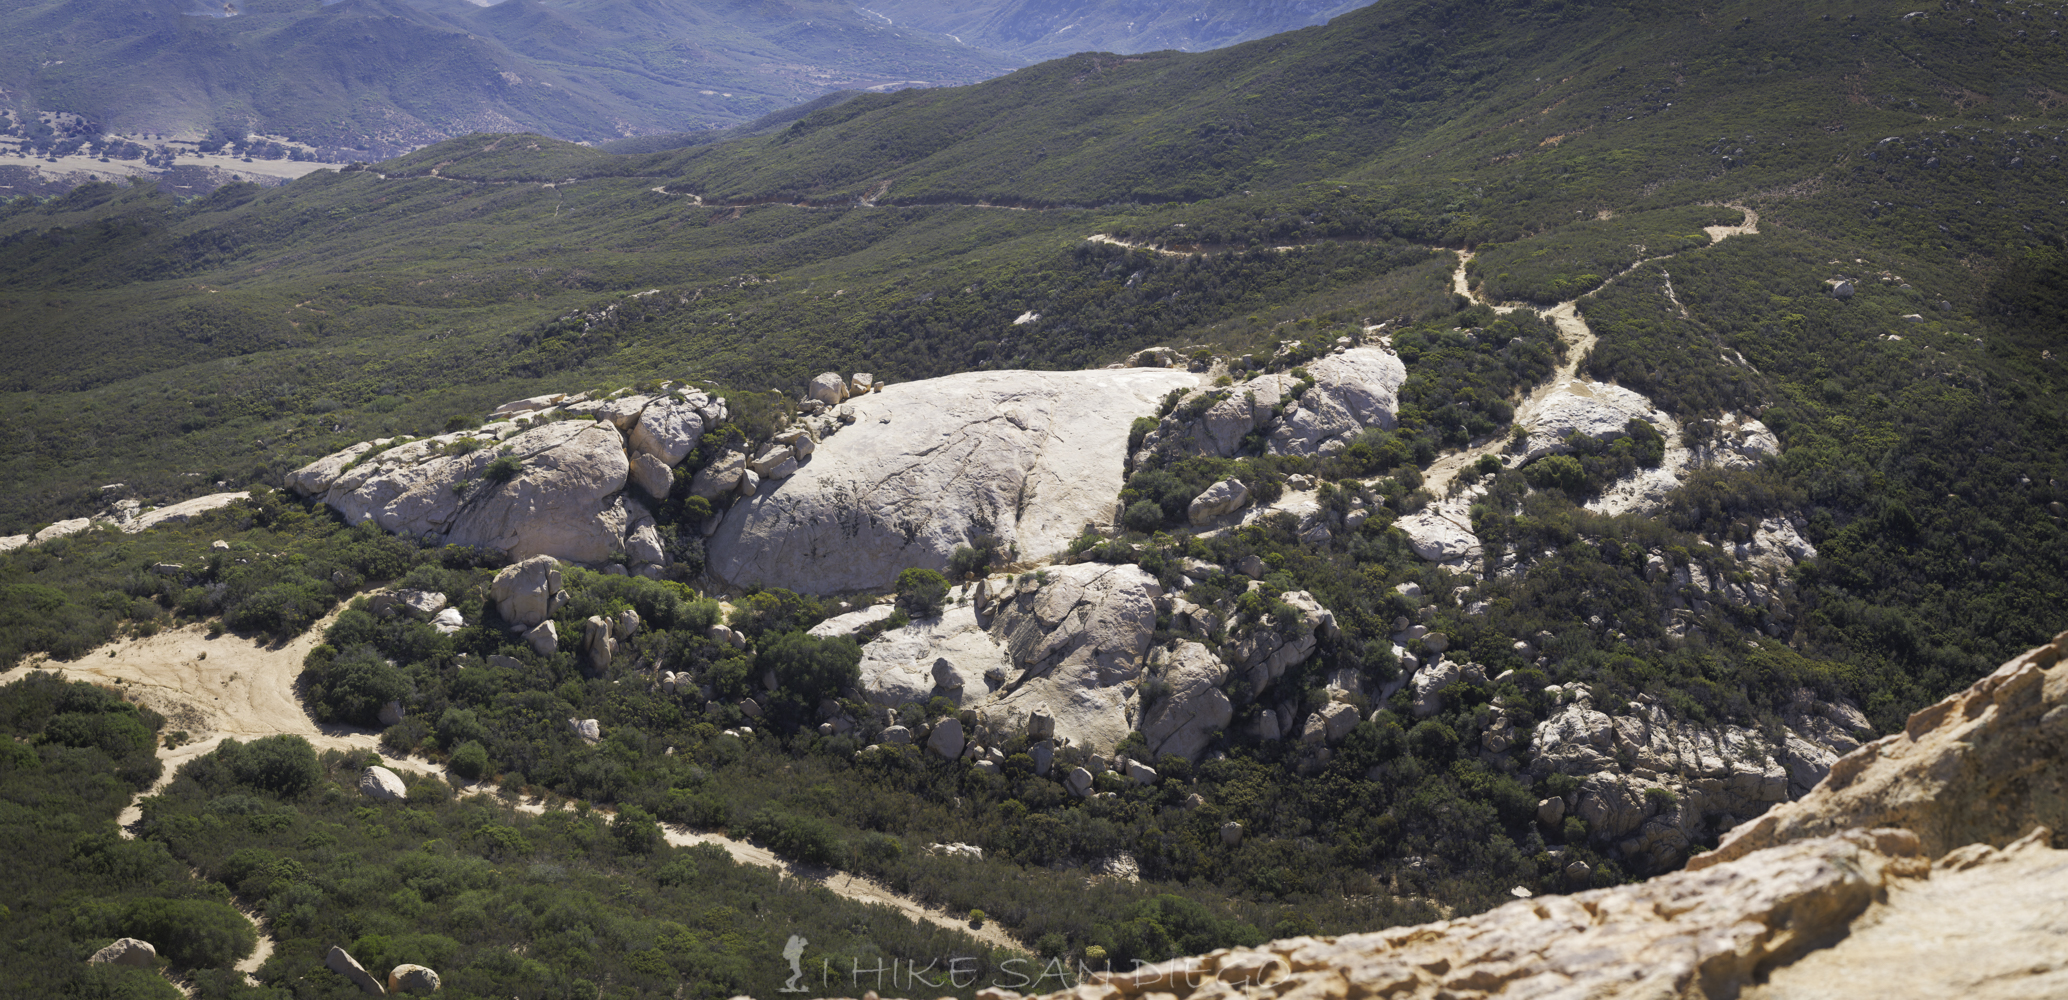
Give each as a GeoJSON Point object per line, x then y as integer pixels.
{"type": "Point", "coordinates": [635, 831]}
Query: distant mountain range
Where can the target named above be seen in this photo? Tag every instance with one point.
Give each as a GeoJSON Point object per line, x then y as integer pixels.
{"type": "Point", "coordinates": [1033, 30]}
{"type": "Point", "coordinates": [383, 76]}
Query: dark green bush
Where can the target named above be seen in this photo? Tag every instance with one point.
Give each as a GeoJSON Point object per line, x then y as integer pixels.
{"type": "Point", "coordinates": [921, 592]}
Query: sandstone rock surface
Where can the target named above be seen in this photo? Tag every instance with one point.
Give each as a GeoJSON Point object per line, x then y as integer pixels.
{"type": "Point", "coordinates": [1982, 766]}
{"type": "Point", "coordinates": [1030, 457]}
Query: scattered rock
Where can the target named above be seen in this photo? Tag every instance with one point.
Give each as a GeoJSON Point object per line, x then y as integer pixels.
{"type": "Point", "coordinates": [127, 951]}
{"type": "Point", "coordinates": [544, 639]}
{"type": "Point", "coordinates": [720, 477]}
{"type": "Point", "coordinates": [184, 511]}
{"type": "Point", "coordinates": [391, 713]}
{"type": "Point", "coordinates": [1078, 782]}
{"type": "Point", "coordinates": [652, 475]}
{"type": "Point", "coordinates": [1224, 497]}
{"type": "Point", "coordinates": [1231, 833]}
{"type": "Point", "coordinates": [946, 738]}
{"type": "Point", "coordinates": [587, 729]}
{"type": "Point", "coordinates": [342, 963]}
{"type": "Point", "coordinates": [1140, 773]}
{"type": "Point", "coordinates": [412, 979]}
{"type": "Point", "coordinates": [828, 388]}
{"type": "Point", "coordinates": [382, 785]}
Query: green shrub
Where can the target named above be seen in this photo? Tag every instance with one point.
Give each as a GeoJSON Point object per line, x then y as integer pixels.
{"type": "Point", "coordinates": [1144, 516]}
{"type": "Point", "coordinates": [635, 831]}
{"type": "Point", "coordinates": [192, 933]}
{"type": "Point", "coordinates": [921, 592]}
{"type": "Point", "coordinates": [470, 760]}
{"type": "Point", "coordinates": [1556, 472]}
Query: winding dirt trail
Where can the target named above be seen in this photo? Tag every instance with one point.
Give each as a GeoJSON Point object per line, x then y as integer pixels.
{"type": "Point", "coordinates": [233, 688]}
{"type": "Point", "coordinates": [1579, 342]}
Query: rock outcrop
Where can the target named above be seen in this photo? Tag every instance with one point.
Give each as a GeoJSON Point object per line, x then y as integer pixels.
{"type": "Point", "coordinates": [1980, 767]}
{"type": "Point", "coordinates": [561, 502]}
{"type": "Point", "coordinates": [1591, 409]}
{"type": "Point", "coordinates": [924, 467]}
{"type": "Point", "coordinates": [1652, 786]}
{"type": "Point", "coordinates": [1193, 708]}
{"type": "Point", "coordinates": [1352, 390]}
{"type": "Point", "coordinates": [1958, 895]}
{"type": "Point", "coordinates": [563, 498]}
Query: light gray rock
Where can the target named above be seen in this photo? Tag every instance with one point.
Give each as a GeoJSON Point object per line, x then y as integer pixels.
{"type": "Point", "coordinates": [1353, 390]}
{"type": "Point", "coordinates": [721, 477]}
{"type": "Point", "coordinates": [828, 388]}
{"type": "Point", "coordinates": [382, 785]}
{"type": "Point", "coordinates": [1252, 566]}
{"type": "Point", "coordinates": [1031, 457]}
{"type": "Point", "coordinates": [899, 666]}
{"type": "Point", "coordinates": [1079, 641]}
{"type": "Point", "coordinates": [421, 603]}
{"type": "Point", "coordinates": [315, 478]}
{"type": "Point", "coordinates": [1140, 773]}
{"type": "Point", "coordinates": [1551, 812]}
{"type": "Point", "coordinates": [561, 503]}
{"type": "Point", "coordinates": [127, 951]}
{"type": "Point", "coordinates": [61, 529]}
{"type": "Point", "coordinates": [772, 458]}
{"type": "Point", "coordinates": [861, 383]}
{"type": "Point", "coordinates": [1429, 684]}
{"type": "Point", "coordinates": [643, 544]}
{"type": "Point", "coordinates": [897, 735]}
{"type": "Point", "coordinates": [1044, 755]}
{"type": "Point", "coordinates": [652, 475]}
{"type": "Point", "coordinates": [588, 730]}
{"type": "Point", "coordinates": [412, 979]}
{"type": "Point", "coordinates": [750, 708]}
{"type": "Point", "coordinates": [1231, 833]}
{"type": "Point", "coordinates": [598, 644]}
{"type": "Point", "coordinates": [1435, 642]}
{"type": "Point", "coordinates": [391, 713]}
{"type": "Point", "coordinates": [184, 511]}
{"type": "Point", "coordinates": [1184, 721]}
{"type": "Point", "coordinates": [668, 430]}
{"type": "Point", "coordinates": [944, 675]}
{"type": "Point", "coordinates": [1267, 726]}
{"type": "Point", "coordinates": [544, 638]}
{"type": "Point", "coordinates": [527, 592]}
{"type": "Point", "coordinates": [1224, 497]}
{"type": "Point", "coordinates": [13, 542]}
{"type": "Point", "coordinates": [1595, 409]}
{"type": "Point", "coordinates": [1077, 782]}
{"type": "Point", "coordinates": [1041, 725]}
{"type": "Point", "coordinates": [449, 621]}
{"type": "Point", "coordinates": [946, 738]}
{"type": "Point", "coordinates": [1329, 724]}
{"type": "Point", "coordinates": [341, 962]}
{"type": "Point", "coordinates": [1264, 653]}
{"type": "Point", "coordinates": [1442, 532]}
{"type": "Point", "coordinates": [623, 412]}
{"type": "Point", "coordinates": [852, 622]}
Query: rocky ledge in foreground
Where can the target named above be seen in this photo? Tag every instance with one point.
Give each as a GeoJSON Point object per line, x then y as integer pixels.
{"type": "Point", "coordinates": [1924, 866]}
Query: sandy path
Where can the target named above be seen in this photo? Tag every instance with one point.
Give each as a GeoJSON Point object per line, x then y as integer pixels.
{"type": "Point", "coordinates": [1579, 342]}
{"type": "Point", "coordinates": [229, 687]}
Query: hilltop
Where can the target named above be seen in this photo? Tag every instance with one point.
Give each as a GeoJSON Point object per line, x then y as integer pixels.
{"type": "Point", "coordinates": [1405, 461]}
